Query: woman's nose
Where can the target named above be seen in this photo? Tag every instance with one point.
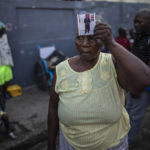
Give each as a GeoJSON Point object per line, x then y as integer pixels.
{"type": "Point", "coordinates": [85, 40]}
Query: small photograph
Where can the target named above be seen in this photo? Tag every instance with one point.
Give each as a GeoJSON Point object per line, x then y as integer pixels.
{"type": "Point", "coordinates": [86, 23]}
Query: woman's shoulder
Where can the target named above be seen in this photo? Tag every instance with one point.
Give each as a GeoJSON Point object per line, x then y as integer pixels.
{"type": "Point", "coordinates": [73, 59]}
{"type": "Point", "coordinates": [68, 60]}
{"type": "Point", "coordinates": [106, 58]}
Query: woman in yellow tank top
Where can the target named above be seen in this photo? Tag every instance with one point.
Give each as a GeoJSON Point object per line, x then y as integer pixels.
{"type": "Point", "coordinates": [87, 98]}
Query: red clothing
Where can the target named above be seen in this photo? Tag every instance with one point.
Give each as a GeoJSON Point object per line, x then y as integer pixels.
{"type": "Point", "coordinates": [125, 42]}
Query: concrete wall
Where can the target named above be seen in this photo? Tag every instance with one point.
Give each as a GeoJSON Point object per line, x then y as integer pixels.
{"type": "Point", "coordinates": [42, 22]}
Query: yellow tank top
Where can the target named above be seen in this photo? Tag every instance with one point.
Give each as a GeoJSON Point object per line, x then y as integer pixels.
{"type": "Point", "coordinates": [91, 106]}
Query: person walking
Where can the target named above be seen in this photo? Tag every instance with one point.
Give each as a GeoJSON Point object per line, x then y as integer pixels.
{"type": "Point", "coordinates": [6, 62]}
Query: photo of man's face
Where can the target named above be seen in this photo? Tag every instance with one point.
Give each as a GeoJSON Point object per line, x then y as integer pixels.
{"type": "Point", "coordinates": [86, 23]}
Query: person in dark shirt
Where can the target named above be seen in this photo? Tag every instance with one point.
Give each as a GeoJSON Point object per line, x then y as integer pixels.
{"type": "Point", "coordinates": [87, 23]}
{"type": "Point", "coordinates": [137, 104]}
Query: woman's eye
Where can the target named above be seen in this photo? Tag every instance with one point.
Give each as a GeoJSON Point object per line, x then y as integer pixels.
{"type": "Point", "coordinates": [79, 37]}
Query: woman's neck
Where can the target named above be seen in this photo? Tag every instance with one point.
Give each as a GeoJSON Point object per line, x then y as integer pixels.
{"type": "Point", "coordinates": [80, 65]}
{"type": "Point", "coordinates": [88, 63]}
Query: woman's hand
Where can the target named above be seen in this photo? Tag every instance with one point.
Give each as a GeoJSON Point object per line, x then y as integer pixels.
{"type": "Point", "coordinates": [103, 32]}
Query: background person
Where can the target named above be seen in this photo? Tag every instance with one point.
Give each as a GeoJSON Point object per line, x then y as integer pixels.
{"type": "Point", "coordinates": [138, 103]}
{"type": "Point", "coordinates": [122, 39]}
{"type": "Point", "coordinates": [5, 76]}
{"type": "Point", "coordinates": [87, 99]}
{"type": "Point", "coordinates": [6, 61]}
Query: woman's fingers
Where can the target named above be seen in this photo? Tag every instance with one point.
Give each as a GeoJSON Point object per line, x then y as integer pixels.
{"type": "Point", "coordinates": [101, 26]}
{"type": "Point", "coordinates": [103, 32]}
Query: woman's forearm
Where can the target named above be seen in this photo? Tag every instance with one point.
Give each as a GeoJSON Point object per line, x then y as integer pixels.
{"type": "Point", "coordinates": [53, 126]}
{"type": "Point", "coordinates": [135, 71]}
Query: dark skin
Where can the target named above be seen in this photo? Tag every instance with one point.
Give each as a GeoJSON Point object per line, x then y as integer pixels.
{"type": "Point", "coordinates": [53, 121]}
{"type": "Point", "coordinates": [142, 22]}
{"type": "Point", "coordinates": [122, 33]}
{"type": "Point", "coordinates": [88, 50]}
{"type": "Point", "coordinates": [131, 79]}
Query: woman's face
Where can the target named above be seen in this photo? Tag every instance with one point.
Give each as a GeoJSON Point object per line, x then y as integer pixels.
{"type": "Point", "coordinates": [88, 47]}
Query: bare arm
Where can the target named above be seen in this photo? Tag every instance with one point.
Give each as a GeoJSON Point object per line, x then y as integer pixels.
{"type": "Point", "coordinates": [53, 122]}
{"type": "Point", "coordinates": [133, 74]}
